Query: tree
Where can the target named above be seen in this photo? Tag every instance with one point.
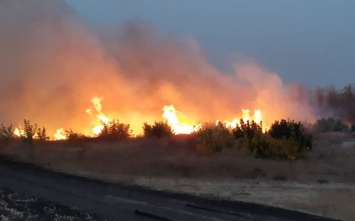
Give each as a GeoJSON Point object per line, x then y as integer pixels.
{"type": "Point", "coordinates": [115, 130]}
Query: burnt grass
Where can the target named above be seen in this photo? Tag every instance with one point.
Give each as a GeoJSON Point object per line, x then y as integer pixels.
{"type": "Point", "coordinates": [14, 206]}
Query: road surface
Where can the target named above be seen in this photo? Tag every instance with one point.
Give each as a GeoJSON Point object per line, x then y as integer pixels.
{"type": "Point", "coordinates": [121, 202]}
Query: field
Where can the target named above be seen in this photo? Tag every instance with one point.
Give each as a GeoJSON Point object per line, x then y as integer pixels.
{"type": "Point", "coordinates": [322, 184]}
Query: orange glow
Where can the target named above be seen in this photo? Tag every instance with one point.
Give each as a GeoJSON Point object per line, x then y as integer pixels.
{"type": "Point", "coordinates": [257, 116]}
{"type": "Point", "coordinates": [246, 117]}
{"type": "Point", "coordinates": [97, 128]}
{"type": "Point", "coordinates": [60, 134]}
{"type": "Point", "coordinates": [19, 132]}
{"type": "Point", "coordinates": [178, 126]}
{"type": "Point", "coordinates": [179, 122]}
{"type": "Point", "coordinates": [185, 127]}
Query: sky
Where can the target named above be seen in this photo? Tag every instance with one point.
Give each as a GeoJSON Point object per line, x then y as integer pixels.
{"type": "Point", "coordinates": [307, 42]}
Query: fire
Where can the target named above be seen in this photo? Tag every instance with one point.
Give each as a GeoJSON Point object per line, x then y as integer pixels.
{"type": "Point", "coordinates": [60, 134]}
{"type": "Point", "coordinates": [257, 116]}
{"type": "Point", "coordinates": [177, 121]}
{"type": "Point", "coordinates": [246, 117]}
{"type": "Point", "coordinates": [185, 127]}
{"type": "Point", "coordinates": [96, 130]}
{"type": "Point", "coordinates": [245, 113]}
{"type": "Point", "coordinates": [19, 132]}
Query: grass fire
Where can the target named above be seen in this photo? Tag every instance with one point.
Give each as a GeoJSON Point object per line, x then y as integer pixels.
{"type": "Point", "coordinates": [134, 104]}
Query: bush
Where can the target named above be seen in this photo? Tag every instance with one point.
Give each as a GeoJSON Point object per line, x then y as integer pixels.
{"type": "Point", "coordinates": [71, 135]}
{"type": "Point", "coordinates": [293, 131]}
{"type": "Point", "coordinates": [158, 129]}
{"type": "Point", "coordinates": [266, 147]}
{"type": "Point", "coordinates": [286, 140]}
{"type": "Point", "coordinates": [33, 132]}
{"type": "Point", "coordinates": [6, 133]}
{"type": "Point", "coordinates": [247, 130]}
{"type": "Point", "coordinates": [115, 130]}
{"type": "Point", "coordinates": [330, 125]}
{"type": "Point", "coordinates": [214, 138]}
{"type": "Point", "coordinates": [41, 134]}
{"type": "Point", "coordinates": [30, 132]}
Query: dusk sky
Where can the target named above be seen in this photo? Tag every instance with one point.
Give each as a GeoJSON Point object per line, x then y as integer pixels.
{"type": "Point", "coordinates": [308, 42]}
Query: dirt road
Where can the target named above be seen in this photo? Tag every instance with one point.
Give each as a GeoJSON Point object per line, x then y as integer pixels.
{"type": "Point", "coordinates": [121, 202]}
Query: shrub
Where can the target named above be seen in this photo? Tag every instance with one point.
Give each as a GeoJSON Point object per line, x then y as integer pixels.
{"type": "Point", "coordinates": [330, 125]}
{"type": "Point", "coordinates": [30, 132]}
{"type": "Point", "coordinates": [286, 140]}
{"type": "Point", "coordinates": [293, 131]}
{"type": "Point", "coordinates": [6, 133]}
{"type": "Point", "coordinates": [33, 132]}
{"type": "Point", "coordinates": [213, 138]}
{"type": "Point", "coordinates": [266, 147]}
{"type": "Point", "coordinates": [247, 129]}
{"type": "Point", "coordinates": [71, 135]}
{"type": "Point", "coordinates": [41, 134]}
{"type": "Point", "coordinates": [115, 130]}
{"type": "Point", "coordinates": [158, 129]}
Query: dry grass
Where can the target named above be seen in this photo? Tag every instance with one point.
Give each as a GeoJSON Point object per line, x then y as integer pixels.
{"type": "Point", "coordinates": [177, 156]}
{"type": "Point", "coordinates": [150, 161]}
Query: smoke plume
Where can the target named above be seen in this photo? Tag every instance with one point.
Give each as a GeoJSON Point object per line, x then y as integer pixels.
{"type": "Point", "coordinates": [52, 64]}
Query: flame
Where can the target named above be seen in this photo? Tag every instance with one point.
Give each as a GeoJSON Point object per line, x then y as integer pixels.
{"type": "Point", "coordinates": [96, 130]}
{"type": "Point", "coordinates": [245, 113]}
{"type": "Point", "coordinates": [185, 127]}
{"type": "Point", "coordinates": [178, 122]}
{"type": "Point", "coordinates": [19, 132]}
{"type": "Point", "coordinates": [60, 134]}
{"type": "Point", "coordinates": [257, 118]}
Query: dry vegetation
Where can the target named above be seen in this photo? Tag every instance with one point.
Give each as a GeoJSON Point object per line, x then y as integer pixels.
{"type": "Point", "coordinates": [325, 177]}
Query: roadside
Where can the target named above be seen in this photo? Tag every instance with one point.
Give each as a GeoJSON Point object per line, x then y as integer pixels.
{"type": "Point", "coordinates": [15, 206]}
{"type": "Point", "coordinates": [332, 200]}
{"type": "Point", "coordinates": [322, 184]}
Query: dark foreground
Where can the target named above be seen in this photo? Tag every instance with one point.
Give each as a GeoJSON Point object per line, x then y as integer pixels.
{"type": "Point", "coordinates": [14, 206]}
{"type": "Point", "coordinates": [99, 200]}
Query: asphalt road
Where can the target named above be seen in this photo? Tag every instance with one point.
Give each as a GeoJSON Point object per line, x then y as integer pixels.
{"type": "Point", "coordinates": [121, 202]}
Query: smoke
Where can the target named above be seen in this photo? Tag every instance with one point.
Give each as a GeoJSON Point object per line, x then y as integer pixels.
{"type": "Point", "coordinates": [52, 64]}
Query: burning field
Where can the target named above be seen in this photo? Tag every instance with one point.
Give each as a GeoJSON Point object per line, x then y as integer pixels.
{"type": "Point", "coordinates": [60, 73]}
{"type": "Point", "coordinates": [72, 81]}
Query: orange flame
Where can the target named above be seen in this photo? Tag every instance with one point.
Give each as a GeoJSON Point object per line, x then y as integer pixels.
{"type": "Point", "coordinates": [246, 117]}
{"type": "Point", "coordinates": [185, 127]}
{"type": "Point", "coordinates": [96, 130]}
{"type": "Point", "coordinates": [178, 126]}
{"type": "Point", "coordinates": [19, 132]}
{"type": "Point", "coordinates": [60, 134]}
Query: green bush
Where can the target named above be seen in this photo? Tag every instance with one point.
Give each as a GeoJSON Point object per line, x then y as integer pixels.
{"type": "Point", "coordinates": [214, 138]}
{"type": "Point", "coordinates": [115, 130]}
{"type": "Point", "coordinates": [266, 147]}
{"type": "Point", "coordinates": [158, 129]}
{"type": "Point", "coordinates": [293, 131]}
{"type": "Point", "coordinates": [286, 140]}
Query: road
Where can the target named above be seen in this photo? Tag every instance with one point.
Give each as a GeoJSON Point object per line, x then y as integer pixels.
{"type": "Point", "coordinates": [122, 202]}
